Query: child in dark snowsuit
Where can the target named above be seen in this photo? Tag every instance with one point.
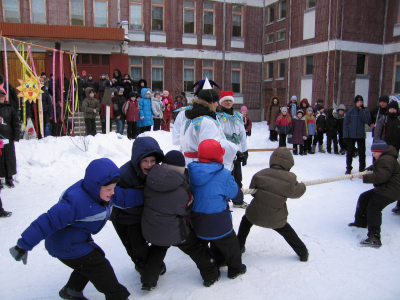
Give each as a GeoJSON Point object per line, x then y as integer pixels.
{"type": "Point", "coordinates": [331, 132]}
{"type": "Point", "coordinates": [83, 210]}
{"type": "Point", "coordinates": [320, 119]}
{"type": "Point", "coordinates": [284, 124]}
{"type": "Point", "coordinates": [299, 133]}
{"type": "Point", "coordinates": [268, 208]}
{"type": "Point", "coordinates": [211, 185]}
{"type": "Point", "coordinates": [340, 114]}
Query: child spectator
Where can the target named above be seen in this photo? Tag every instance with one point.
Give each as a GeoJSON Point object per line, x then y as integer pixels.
{"type": "Point", "coordinates": [211, 185]}
{"type": "Point", "coordinates": [178, 101]}
{"type": "Point", "coordinates": [292, 106]}
{"type": "Point", "coordinates": [246, 120]}
{"type": "Point", "coordinates": [118, 103]}
{"type": "Point", "coordinates": [131, 111]}
{"type": "Point", "coordinates": [331, 132]}
{"type": "Point", "coordinates": [340, 119]}
{"type": "Point", "coordinates": [103, 84]}
{"type": "Point", "coordinates": [310, 130]}
{"type": "Point", "coordinates": [298, 133]}
{"type": "Point", "coordinates": [304, 105]}
{"type": "Point", "coordinates": [157, 107]}
{"type": "Point", "coordinates": [271, 115]}
{"type": "Point", "coordinates": [169, 108]}
{"type": "Point", "coordinates": [386, 181]}
{"type": "Point", "coordinates": [284, 124]}
{"type": "Point", "coordinates": [268, 208]}
{"type": "Point", "coordinates": [89, 82]}
{"type": "Point", "coordinates": [145, 114]}
{"type": "Point", "coordinates": [319, 102]}
{"type": "Point", "coordinates": [90, 108]}
{"type": "Point", "coordinates": [320, 124]}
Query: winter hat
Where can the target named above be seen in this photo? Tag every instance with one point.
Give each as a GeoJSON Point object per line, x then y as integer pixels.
{"type": "Point", "coordinates": [283, 109]}
{"type": "Point", "coordinates": [226, 95]}
{"type": "Point", "coordinates": [51, 75]}
{"type": "Point", "coordinates": [334, 111]}
{"type": "Point", "coordinates": [166, 91]}
{"type": "Point", "coordinates": [90, 75]}
{"type": "Point", "coordinates": [91, 91]}
{"type": "Point", "coordinates": [209, 95]}
{"type": "Point", "coordinates": [379, 146]}
{"type": "Point", "coordinates": [384, 98]}
{"type": "Point", "coordinates": [243, 108]}
{"type": "Point", "coordinates": [43, 73]}
{"type": "Point", "coordinates": [102, 74]}
{"type": "Point", "coordinates": [300, 111]}
{"type": "Point", "coordinates": [120, 89]}
{"type": "Point", "coordinates": [309, 108]}
{"type": "Point", "coordinates": [77, 73]}
{"type": "Point", "coordinates": [293, 98]}
{"type": "Point", "coordinates": [394, 104]}
{"type": "Point", "coordinates": [174, 160]}
{"type": "Point", "coordinates": [157, 93]}
{"type": "Point", "coordinates": [210, 151]}
{"type": "Point", "coordinates": [132, 94]}
{"type": "Point", "coordinates": [83, 71]}
{"type": "Point", "coordinates": [319, 107]}
{"type": "Point", "coordinates": [341, 107]}
{"type": "Point", "coordinates": [358, 98]}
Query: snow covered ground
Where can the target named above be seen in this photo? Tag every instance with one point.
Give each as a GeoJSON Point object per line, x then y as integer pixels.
{"type": "Point", "coordinates": [338, 267]}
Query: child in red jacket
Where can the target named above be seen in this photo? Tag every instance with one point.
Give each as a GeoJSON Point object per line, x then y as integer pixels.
{"type": "Point", "coordinates": [284, 124]}
{"type": "Point", "coordinates": [131, 111]}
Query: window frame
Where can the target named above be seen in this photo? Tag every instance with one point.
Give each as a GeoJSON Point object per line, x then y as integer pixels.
{"type": "Point", "coordinates": [194, 15]}
{"type": "Point", "coordinates": [83, 13]}
{"type": "Point", "coordinates": [365, 65]}
{"type": "Point", "coordinates": [132, 65]}
{"type": "Point", "coordinates": [136, 2]}
{"type": "Point", "coordinates": [273, 38]}
{"type": "Point", "coordinates": [279, 68]}
{"type": "Point", "coordinates": [278, 33]}
{"type": "Point", "coordinates": [31, 13]}
{"type": "Point", "coordinates": [163, 18]}
{"type": "Point", "coordinates": [395, 65]}
{"type": "Point", "coordinates": [280, 10]}
{"type": "Point", "coordinates": [189, 68]}
{"type": "Point", "coordinates": [233, 69]}
{"type": "Point", "coordinates": [305, 65]}
{"type": "Point", "coordinates": [153, 66]}
{"type": "Point", "coordinates": [94, 12]}
{"type": "Point", "coordinates": [308, 4]}
{"type": "Point", "coordinates": [207, 68]}
{"type": "Point", "coordinates": [269, 14]}
{"type": "Point", "coordinates": [19, 12]}
{"type": "Point", "coordinates": [209, 10]}
{"type": "Point", "coordinates": [241, 14]}
{"type": "Point", "coordinates": [269, 72]}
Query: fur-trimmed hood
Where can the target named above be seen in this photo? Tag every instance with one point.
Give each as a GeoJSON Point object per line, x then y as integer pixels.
{"type": "Point", "coordinates": [272, 100]}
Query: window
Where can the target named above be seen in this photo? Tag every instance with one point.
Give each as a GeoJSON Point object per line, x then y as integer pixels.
{"type": "Point", "coordinates": [281, 71]}
{"type": "Point", "coordinates": [157, 74]}
{"type": "Point", "coordinates": [136, 69]}
{"type": "Point", "coordinates": [281, 35]}
{"type": "Point", "coordinates": [135, 15]}
{"type": "Point", "coordinates": [361, 64]}
{"type": "Point", "coordinates": [208, 69]}
{"type": "Point", "coordinates": [77, 13]}
{"type": "Point", "coordinates": [38, 11]}
{"type": "Point", "coordinates": [189, 17]}
{"type": "Point", "coordinates": [309, 67]}
{"type": "Point", "coordinates": [208, 18]}
{"type": "Point", "coordinates": [105, 60]}
{"type": "Point", "coordinates": [271, 14]}
{"type": "Point", "coordinates": [270, 38]}
{"type": "Point", "coordinates": [100, 13]}
{"type": "Point", "coordinates": [396, 87]}
{"type": "Point", "coordinates": [237, 21]}
{"type": "Point", "coordinates": [270, 70]}
{"type": "Point", "coordinates": [282, 9]}
{"type": "Point", "coordinates": [311, 3]}
{"type": "Point", "coordinates": [188, 74]}
{"type": "Point", "coordinates": [157, 15]}
{"type": "Point", "coordinates": [95, 59]}
{"type": "Point", "coordinates": [11, 10]}
{"type": "Point", "coordinates": [236, 78]}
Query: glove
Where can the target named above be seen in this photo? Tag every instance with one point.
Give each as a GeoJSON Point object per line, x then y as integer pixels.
{"type": "Point", "coordinates": [239, 157]}
{"type": "Point", "coordinates": [289, 136]}
{"type": "Point", "coordinates": [246, 155]}
{"type": "Point", "coordinates": [19, 254]}
{"type": "Point", "coordinates": [304, 138]}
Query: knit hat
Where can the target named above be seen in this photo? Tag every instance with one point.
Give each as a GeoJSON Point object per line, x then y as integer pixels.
{"type": "Point", "coordinates": [43, 73]}
{"type": "Point", "coordinates": [283, 109]}
{"type": "Point", "coordinates": [358, 98]}
{"type": "Point", "coordinates": [166, 91]}
{"type": "Point", "coordinates": [120, 89]}
{"type": "Point", "coordinates": [384, 98]}
{"type": "Point", "coordinates": [293, 98]}
{"type": "Point", "coordinates": [394, 104]}
{"type": "Point", "coordinates": [83, 71]}
{"type": "Point", "coordinates": [379, 146]}
{"type": "Point", "coordinates": [132, 94]}
{"type": "Point", "coordinates": [319, 107]}
{"type": "Point", "coordinates": [243, 108]}
{"type": "Point", "coordinates": [174, 160]}
{"type": "Point", "coordinates": [157, 93]}
{"type": "Point", "coordinates": [102, 74]}
{"type": "Point", "coordinates": [77, 73]}
{"type": "Point", "coordinates": [226, 95]}
{"type": "Point", "coordinates": [210, 151]}
{"type": "Point", "coordinates": [309, 108]}
{"type": "Point", "coordinates": [300, 111]}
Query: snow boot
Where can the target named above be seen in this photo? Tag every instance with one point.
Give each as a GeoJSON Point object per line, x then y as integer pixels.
{"type": "Point", "coordinates": [243, 205]}
{"type": "Point", "coordinates": [163, 269]}
{"type": "Point", "coordinates": [314, 148]}
{"type": "Point", "coordinates": [321, 149]}
{"type": "Point", "coordinates": [5, 214]}
{"type": "Point", "coordinates": [336, 152]}
{"type": "Point", "coordinates": [373, 240]}
{"type": "Point", "coordinates": [1, 185]}
{"type": "Point", "coordinates": [305, 152]}
{"type": "Point", "coordinates": [357, 224]}
{"type": "Point", "coordinates": [348, 171]}
{"type": "Point", "coordinates": [68, 294]}
{"type": "Point", "coordinates": [396, 209]}
{"type": "Point", "coordinates": [210, 282]}
{"type": "Point", "coordinates": [148, 287]}
{"type": "Point", "coordinates": [294, 152]}
{"type": "Point", "coordinates": [9, 183]}
{"type": "Point", "coordinates": [304, 257]}
{"type": "Point", "coordinates": [243, 270]}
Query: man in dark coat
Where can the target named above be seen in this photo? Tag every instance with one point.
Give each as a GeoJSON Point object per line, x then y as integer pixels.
{"type": "Point", "coordinates": [103, 84]}
{"type": "Point", "coordinates": [126, 83]}
{"type": "Point", "coordinates": [81, 90]}
{"type": "Point", "coordinates": [127, 222]}
{"type": "Point", "coordinates": [379, 111]}
{"type": "Point", "coordinates": [116, 81]}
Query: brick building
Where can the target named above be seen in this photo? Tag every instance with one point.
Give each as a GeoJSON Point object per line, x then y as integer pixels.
{"type": "Point", "coordinates": [315, 49]}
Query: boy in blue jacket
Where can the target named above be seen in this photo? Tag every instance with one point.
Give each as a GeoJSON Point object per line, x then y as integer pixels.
{"type": "Point", "coordinates": [83, 210]}
{"type": "Point", "coordinates": [211, 185]}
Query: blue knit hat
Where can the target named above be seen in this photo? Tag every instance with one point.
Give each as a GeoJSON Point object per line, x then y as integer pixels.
{"type": "Point", "coordinates": [379, 146]}
{"type": "Point", "coordinates": [120, 89]}
{"type": "Point", "coordinates": [132, 94]}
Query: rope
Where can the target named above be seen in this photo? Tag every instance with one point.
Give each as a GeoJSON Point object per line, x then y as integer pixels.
{"type": "Point", "coordinates": [318, 181]}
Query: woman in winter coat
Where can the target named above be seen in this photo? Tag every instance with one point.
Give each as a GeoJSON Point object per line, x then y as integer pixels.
{"type": "Point", "coordinates": [118, 103]}
{"type": "Point", "coordinates": [116, 81]}
{"type": "Point", "coordinates": [272, 113]}
{"type": "Point", "coordinates": [268, 208]}
{"type": "Point", "coordinates": [131, 111]}
{"type": "Point", "coordinates": [145, 113]}
{"type": "Point", "coordinates": [284, 125]}
{"type": "Point", "coordinates": [304, 105]}
{"type": "Point", "coordinates": [157, 107]}
{"type": "Point", "coordinates": [169, 108]}
{"type": "Point", "coordinates": [90, 108]}
{"type": "Point", "coordinates": [298, 133]}
{"type": "Point", "coordinates": [126, 83]}
{"type": "Point", "coordinates": [9, 129]}
{"type": "Point", "coordinates": [140, 85]}
{"type": "Point", "coordinates": [331, 132]}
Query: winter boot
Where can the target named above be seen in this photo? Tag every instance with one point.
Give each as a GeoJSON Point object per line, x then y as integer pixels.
{"type": "Point", "coordinates": [68, 294]}
{"type": "Point", "coordinates": [294, 152]}
{"type": "Point", "coordinates": [357, 224]}
{"type": "Point", "coordinates": [210, 282]}
{"type": "Point", "coordinates": [373, 240]}
{"type": "Point", "coordinates": [348, 171]}
{"type": "Point", "coordinates": [163, 269]}
{"type": "Point", "coordinates": [305, 152]}
{"type": "Point", "coordinates": [1, 185]}
{"type": "Point", "coordinates": [314, 148]}
{"type": "Point", "coordinates": [9, 183]}
{"type": "Point", "coordinates": [148, 287]}
{"type": "Point", "coordinates": [5, 214]}
{"type": "Point", "coordinates": [321, 149]}
{"type": "Point", "coordinates": [243, 249]}
{"type": "Point", "coordinates": [342, 151]}
{"type": "Point", "coordinates": [304, 257]}
{"type": "Point", "coordinates": [396, 209]}
{"type": "Point", "coordinates": [243, 270]}
{"type": "Point", "coordinates": [336, 152]}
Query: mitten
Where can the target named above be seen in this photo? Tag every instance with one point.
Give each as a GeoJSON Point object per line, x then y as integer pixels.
{"type": "Point", "coordinates": [304, 138]}
{"type": "Point", "coordinates": [19, 254]}
{"type": "Point", "coordinates": [246, 155]}
{"type": "Point", "coordinates": [239, 156]}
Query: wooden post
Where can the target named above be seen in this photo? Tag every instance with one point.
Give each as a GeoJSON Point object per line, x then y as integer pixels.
{"type": "Point", "coordinates": [107, 119]}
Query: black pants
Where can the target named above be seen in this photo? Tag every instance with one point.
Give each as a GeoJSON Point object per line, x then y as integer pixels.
{"type": "Point", "coordinates": [132, 130]}
{"type": "Point", "coordinates": [308, 143]}
{"type": "Point", "coordinates": [287, 232]}
{"type": "Point", "coordinates": [227, 249]}
{"type": "Point", "coordinates": [157, 124]}
{"type": "Point", "coordinates": [90, 126]}
{"type": "Point", "coordinates": [273, 135]}
{"type": "Point", "coordinates": [132, 238]}
{"type": "Point", "coordinates": [369, 210]}
{"type": "Point", "coordinates": [193, 247]}
{"type": "Point", "coordinates": [1, 206]}
{"type": "Point", "coordinates": [143, 129]}
{"type": "Point", "coordinates": [318, 138]}
{"type": "Point", "coordinates": [94, 267]}
{"type": "Point", "coordinates": [361, 153]}
{"type": "Point", "coordinates": [329, 140]}
{"type": "Point", "coordinates": [342, 143]}
{"type": "Point", "coordinates": [282, 140]}
{"type": "Point", "coordinates": [301, 149]}
{"type": "Point", "coordinates": [237, 173]}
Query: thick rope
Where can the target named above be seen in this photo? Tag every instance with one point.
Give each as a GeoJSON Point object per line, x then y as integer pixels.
{"type": "Point", "coordinates": [318, 181]}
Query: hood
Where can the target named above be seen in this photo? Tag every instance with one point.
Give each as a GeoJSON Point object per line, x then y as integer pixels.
{"type": "Point", "coordinates": [99, 172]}
{"type": "Point", "coordinates": [341, 106]}
{"type": "Point", "coordinates": [162, 179]}
{"type": "Point", "coordinates": [281, 157]}
{"type": "Point", "coordinates": [201, 173]}
{"type": "Point", "coordinates": [329, 113]}
{"type": "Point", "coordinates": [297, 118]}
{"type": "Point", "coordinates": [129, 76]}
{"type": "Point", "coordinates": [144, 91]}
{"type": "Point", "coordinates": [119, 74]}
{"type": "Point", "coordinates": [143, 147]}
{"type": "Point", "coordinates": [304, 101]}
{"type": "Point", "coordinates": [87, 90]}
{"type": "Point", "coordinates": [272, 100]}
{"type": "Point", "coordinates": [391, 151]}
{"type": "Point", "coordinates": [140, 81]}
{"type": "Point", "coordinates": [178, 95]}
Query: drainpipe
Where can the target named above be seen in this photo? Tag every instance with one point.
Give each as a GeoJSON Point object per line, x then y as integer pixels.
{"type": "Point", "coordinates": [340, 67]}
{"type": "Point", "coordinates": [223, 46]}
{"type": "Point", "coordinates": [383, 51]}
{"type": "Point", "coordinates": [262, 104]}
{"type": "Point", "coordinates": [334, 65]}
{"type": "Point", "coordinates": [329, 53]}
{"type": "Point", "coordinates": [119, 10]}
{"type": "Point", "coordinates": [290, 45]}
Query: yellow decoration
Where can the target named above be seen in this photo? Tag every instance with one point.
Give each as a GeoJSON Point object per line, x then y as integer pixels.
{"type": "Point", "coordinates": [29, 88]}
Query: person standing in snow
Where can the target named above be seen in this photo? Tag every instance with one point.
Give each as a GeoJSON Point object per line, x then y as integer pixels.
{"type": "Point", "coordinates": [320, 126]}
{"type": "Point", "coordinates": [292, 107]}
{"type": "Point", "coordinates": [90, 108]}
{"type": "Point", "coordinates": [331, 132]}
{"type": "Point", "coordinates": [145, 113]}
{"type": "Point", "coordinates": [284, 124]}
{"type": "Point", "coordinates": [246, 120]}
{"type": "Point", "coordinates": [298, 133]}
{"type": "Point", "coordinates": [67, 228]}
{"type": "Point", "coordinates": [169, 108]}
{"type": "Point", "coordinates": [268, 208]}
{"type": "Point", "coordinates": [271, 115]}
{"type": "Point", "coordinates": [118, 103]}
{"type": "Point", "coordinates": [310, 130]}
{"type": "Point", "coordinates": [340, 121]}
{"type": "Point", "coordinates": [131, 111]}
{"type": "Point", "coordinates": [157, 107]}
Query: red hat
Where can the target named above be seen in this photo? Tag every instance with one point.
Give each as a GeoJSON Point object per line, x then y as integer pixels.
{"type": "Point", "coordinates": [226, 95]}
{"type": "Point", "coordinates": [210, 151]}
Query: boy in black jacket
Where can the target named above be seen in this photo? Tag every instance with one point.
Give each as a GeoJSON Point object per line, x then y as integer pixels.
{"type": "Point", "coordinates": [320, 128]}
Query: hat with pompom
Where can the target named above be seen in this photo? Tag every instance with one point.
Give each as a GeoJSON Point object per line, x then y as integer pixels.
{"type": "Point", "coordinates": [226, 95]}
